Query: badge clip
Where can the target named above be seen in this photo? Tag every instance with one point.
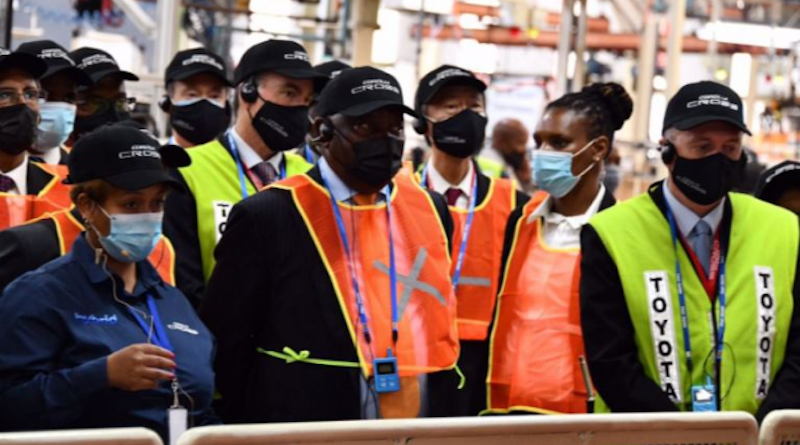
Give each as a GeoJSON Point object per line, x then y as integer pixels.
{"type": "Point", "coordinates": [387, 377]}
{"type": "Point", "coordinates": [704, 398]}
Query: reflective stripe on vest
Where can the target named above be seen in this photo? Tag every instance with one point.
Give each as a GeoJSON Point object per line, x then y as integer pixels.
{"type": "Point", "coordinates": [18, 209]}
{"type": "Point", "coordinates": [68, 229]}
{"type": "Point", "coordinates": [477, 286]}
{"type": "Point", "coordinates": [428, 339]}
{"type": "Point", "coordinates": [214, 182]}
{"type": "Point", "coordinates": [761, 263]}
{"type": "Point", "coordinates": [536, 340]}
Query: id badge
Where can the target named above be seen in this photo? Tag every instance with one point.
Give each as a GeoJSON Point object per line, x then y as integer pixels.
{"type": "Point", "coordinates": [178, 419]}
{"type": "Point", "coordinates": [704, 397]}
{"type": "Point", "coordinates": [387, 377]}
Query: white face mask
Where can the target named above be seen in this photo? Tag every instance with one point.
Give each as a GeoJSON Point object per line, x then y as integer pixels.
{"type": "Point", "coordinates": [57, 122]}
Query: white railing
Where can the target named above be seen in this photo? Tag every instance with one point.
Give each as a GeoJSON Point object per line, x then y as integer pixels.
{"type": "Point", "coordinates": [112, 436]}
{"type": "Point", "coordinates": [781, 428]}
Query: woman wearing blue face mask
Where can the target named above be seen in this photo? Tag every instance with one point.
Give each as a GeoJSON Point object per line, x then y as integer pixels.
{"type": "Point", "coordinates": [536, 351]}
{"type": "Point", "coordinates": [96, 338]}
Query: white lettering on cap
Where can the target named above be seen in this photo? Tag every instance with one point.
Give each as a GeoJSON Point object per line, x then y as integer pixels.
{"type": "Point", "coordinates": [4, 52]}
{"type": "Point", "coordinates": [140, 151]}
{"type": "Point", "coordinates": [451, 72]}
{"type": "Point", "coordinates": [55, 53]}
{"type": "Point", "coordinates": [785, 169]}
{"type": "Point", "coordinates": [713, 99]}
{"type": "Point", "coordinates": [205, 59]}
{"type": "Point", "coordinates": [662, 329]}
{"type": "Point", "coordinates": [375, 85]}
{"type": "Point", "coordinates": [297, 55]}
{"type": "Point", "coordinates": [766, 325]}
{"type": "Point", "coordinates": [96, 59]}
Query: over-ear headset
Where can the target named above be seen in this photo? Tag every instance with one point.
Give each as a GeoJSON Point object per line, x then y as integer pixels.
{"type": "Point", "coordinates": [668, 153]}
{"type": "Point", "coordinates": [325, 132]}
{"type": "Point", "coordinates": [165, 104]}
{"type": "Point", "coordinates": [249, 91]}
{"type": "Point", "coordinates": [421, 125]}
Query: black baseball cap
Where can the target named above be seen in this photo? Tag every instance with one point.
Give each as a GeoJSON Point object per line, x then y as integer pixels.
{"type": "Point", "coordinates": [358, 91]}
{"type": "Point", "coordinates": [23, 61]}
{"type": "Point", "coordinates": [99, 64]}
{"type": "Point", "coordinates": [698, 103]}
{"type": "Point", "coordinates": [445, 75]}
{"type": "Point", "coordinates": [330, 70]}
{"type": "Point", "coordinates": [774, 181]}
{"type": "Point", "coordinates": [187, 63]}
{"type": "Point", "coordinates": [57, 59]}
{"type": "Point", "coordinates": [284, 57]}
{"type": "Point", "coordinates": [125, 157]}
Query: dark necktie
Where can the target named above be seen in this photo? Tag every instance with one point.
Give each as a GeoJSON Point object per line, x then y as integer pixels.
{"type": "Point", "coordinates": [6, 184]}
{"type": "Point", "coordinates": [452, 195]}
{"type": "Point", "coordinates": [265, 173]}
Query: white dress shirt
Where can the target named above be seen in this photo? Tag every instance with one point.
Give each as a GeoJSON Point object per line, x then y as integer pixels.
{"type": "Point", "coordinates": [20, 177]}
{"type": "Point", "coordinates": [341, 191]}
{"type": "Point", "coordinates": [686, 219]}
{"type": "Point", "coordinates": [564, 232]}
{"type": "Point", "coordinates": [250, 158]}
{"type": "Point", "coordinates": [438, 184]}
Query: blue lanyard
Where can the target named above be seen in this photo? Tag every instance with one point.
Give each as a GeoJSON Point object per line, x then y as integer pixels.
{"type": "Point", "coordinates": [240, 167]}
{"type": "Point", "coordinates": [462, 251]}
{"type": "Point", "coordinates": [159, 335]}
{"type": "Point", "coordinates": [309, 154]}
{"type": "Point", "coordinates": [362, 313]}
{"type": "Point", "coordinates": [720, 346]}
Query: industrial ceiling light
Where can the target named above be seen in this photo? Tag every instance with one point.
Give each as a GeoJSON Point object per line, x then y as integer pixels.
{"type": "Point", "coordinates": [749, 34]}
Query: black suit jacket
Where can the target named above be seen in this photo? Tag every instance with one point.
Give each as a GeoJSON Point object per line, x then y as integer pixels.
{"type": "Point", "coordinates": [37, 179]}
{"type": "Point", "coordinates": [269, 290]}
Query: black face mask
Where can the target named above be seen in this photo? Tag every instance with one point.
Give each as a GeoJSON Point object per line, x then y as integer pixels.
{"type": "Point", "coordinates": [515, 160]}
{"type": "Point", "coordinates": [17, 129]}
{"type": "Point", "coordinates": [377, 159]}
{"type": "Point", "coordinates": [462, 135]}
{"type": "Point", "coordinates": [87, 124]}
{"type": "Point", "coordinates": [281, 128]}
{"type": "Point", "coordinates": [199, 122]}
{"type": "Point", "coordinates": [706, 180]}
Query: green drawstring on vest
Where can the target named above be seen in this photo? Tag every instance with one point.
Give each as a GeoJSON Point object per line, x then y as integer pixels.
{"type": "Point", "coordinates": [291, 356]}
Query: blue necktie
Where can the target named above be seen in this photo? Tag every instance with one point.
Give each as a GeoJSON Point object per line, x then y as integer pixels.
{"type": "Point", "coordinates": [700, 239]}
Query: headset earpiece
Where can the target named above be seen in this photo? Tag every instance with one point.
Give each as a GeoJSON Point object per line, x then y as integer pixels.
{"type": "Point", "coordinates": [325, 132]}
{"type": "Point", "coordinates": [668, 153]}
{"type": "Point", "coordinates": [421, 125]}
{"type": "Point", "coordinates": [165, 104]}
{"type": "Point", "coordinates": [249, 92]}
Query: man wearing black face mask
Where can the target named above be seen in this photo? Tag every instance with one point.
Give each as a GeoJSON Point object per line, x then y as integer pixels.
{"type": "Point", "coordinates": [197, 97]}
{"type": "Point", "coordinates": [27, 189]}
{"type": "Point", "coordinates": [337, 272]}
{"type": "Point", "coordinates": [689, 292]}
{"type": "Point", "coordinates": [105, 101]}
{"type": "Point", "coordinates": [451, 103]}
{"type": "Point", "coordinates": [275, 84]}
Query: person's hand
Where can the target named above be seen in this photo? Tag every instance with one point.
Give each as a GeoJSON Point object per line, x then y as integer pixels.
{"type": "Point", "coordinates": [139, 367]}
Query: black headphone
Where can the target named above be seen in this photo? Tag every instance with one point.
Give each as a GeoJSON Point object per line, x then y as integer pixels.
{"type": "Point", "coordinates": [165, 104]}
{"type": "Point", "coordinates": [249, 91]}
{"type": "Point", "coordinates": [668, 152]}
{"type": "Point", "coordinates": [325, 132]}
{"type": "Point", "coordinates": [421, 125]}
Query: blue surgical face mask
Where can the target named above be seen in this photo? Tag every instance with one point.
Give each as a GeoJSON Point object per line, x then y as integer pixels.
{"type": "Point", "coordinates": [552, 170]}
{"type": "Point", "coordinates": [58, 120]}
{"type": "Point", "coordinates": [132, 237]}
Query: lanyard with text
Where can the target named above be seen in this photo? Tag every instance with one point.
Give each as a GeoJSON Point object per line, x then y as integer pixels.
{"type": "Point", "coordinates": [385, 369]}
{"type": "Point", "coordinates": [682, 300]}
{"type": "Point", "coordinates": [241, 170]}
{"type": "Point", "coordinates": [158, 334]}
{"type": "Point", "coordinates": [462, 251]}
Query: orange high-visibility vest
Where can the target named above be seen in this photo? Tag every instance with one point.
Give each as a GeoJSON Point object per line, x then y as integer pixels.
{"type": "Point", "coordinates": [479, 280]}
{"type": "Point", "coordinates": [536, 342]}
{"type": "Point", "coordinates": [18, 209]}
{"type": "Point", "coordinates": [428, 338]}
{"type": "Point", "coordinates": [68, 229]}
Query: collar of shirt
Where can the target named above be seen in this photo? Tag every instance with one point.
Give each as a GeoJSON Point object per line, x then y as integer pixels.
{"type": "Point", "coordinates": [249, 156]}
{"type": "Point", "coordinates": [340, 191]}
{"type": "Point", "coordinates": [440, 185]}
{"type": "Point", "coordinates": [20, 177]}
{"type": "Point", "coordinates": [84, 255]}
{"type": "Point", "coordinates": [686, 218]}
{"type": "Point", "coordinates": [578, 221]}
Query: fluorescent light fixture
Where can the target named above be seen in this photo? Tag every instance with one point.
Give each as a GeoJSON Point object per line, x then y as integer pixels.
{"type": "Point", "coordinates": [741, 69]}
{"type": "Point", "coordinates": [490, 3]}
{"type": "Point", "coordinates": [749, 34]}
